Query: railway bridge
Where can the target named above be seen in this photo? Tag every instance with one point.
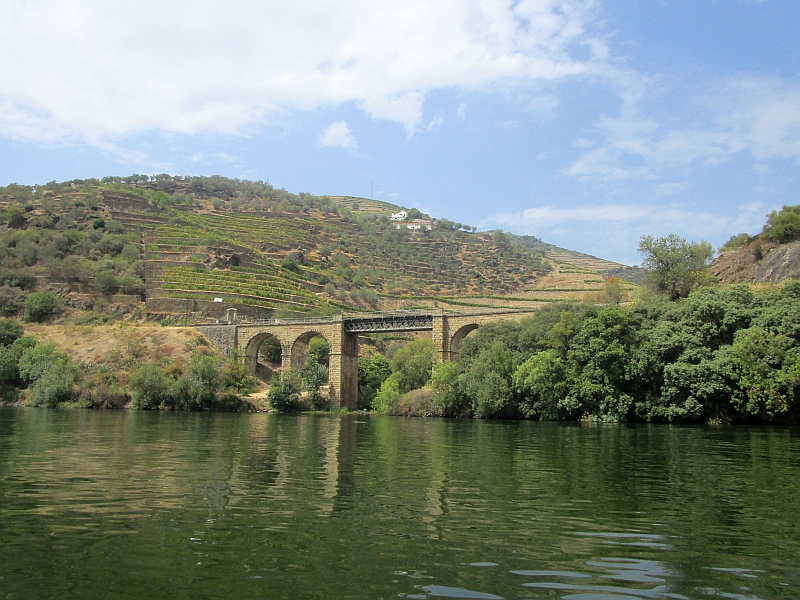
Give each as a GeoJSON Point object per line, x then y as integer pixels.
{"type": "Point", "coordinates": [448, 330]}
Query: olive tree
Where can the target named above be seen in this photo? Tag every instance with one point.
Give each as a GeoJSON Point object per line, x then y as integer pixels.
{"type": "Point", "coordinates": [675, 266]}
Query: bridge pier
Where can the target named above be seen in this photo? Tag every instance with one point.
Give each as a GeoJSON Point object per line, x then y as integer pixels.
{"type": "Point", "coordinates": [341, 332]}
{"type": "Point", "coordinates": [343, 366]}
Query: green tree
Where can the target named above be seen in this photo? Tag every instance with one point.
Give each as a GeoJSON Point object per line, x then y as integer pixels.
{"type": "Point", "coordinates": [387, 398]}
{"type": "Point", "coordinates": [412, 365]}
{"type": "Point", "coordinates": [10, 331]}
{"type": "Point", "coordinates": [372, 372]}
{"type": "Point", "coordinates": [11, 299]}
{"type": "Point", "coordinates": [675, 267]}
{"type": "Point", "coordinates": [149, 386]}
{"type": "Point", "coordinates": [784, 225]}
{"type": "Point", "coordinates": [50, 373]}
{"type": "Point", "coordinates": [314, 375]}
{"type": "Point", "coordinates": [542, 385]}
{"type": "Point", "coordinates": [448, 399]}
{"type": "Point", "coordinates": [202, 376]}
{"type": "Point", "coordinates": [767, 372]}
{"type": "Point", "coordinates": [40, 306]}
{"type": "Point", "coordinates": [284, 392]}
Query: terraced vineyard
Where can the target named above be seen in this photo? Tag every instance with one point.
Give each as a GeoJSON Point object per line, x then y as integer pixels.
{"type": "Point", "coordinates": [248, 243]}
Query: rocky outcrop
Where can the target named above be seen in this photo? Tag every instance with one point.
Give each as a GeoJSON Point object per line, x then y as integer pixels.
{"type": "Point", "coordinates": [759, 262]}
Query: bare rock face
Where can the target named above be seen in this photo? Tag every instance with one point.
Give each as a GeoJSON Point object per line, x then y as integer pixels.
{"type": "Point", "coordinates": [782, 263]}
{"type": "Point", "coordinates": [221, 260]}
{"type": "Point", "coordinates": [759, 262]}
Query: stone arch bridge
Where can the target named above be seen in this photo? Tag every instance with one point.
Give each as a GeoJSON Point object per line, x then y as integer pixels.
{"type": "Point", "coordinates": [448, 330]}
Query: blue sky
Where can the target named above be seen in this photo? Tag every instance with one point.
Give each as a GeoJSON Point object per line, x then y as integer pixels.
{"type": "Point", "coordinates": [584, 122]}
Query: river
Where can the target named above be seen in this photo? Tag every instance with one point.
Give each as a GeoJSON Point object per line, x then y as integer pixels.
{"type": "Point", "coordinates": [134, 504]}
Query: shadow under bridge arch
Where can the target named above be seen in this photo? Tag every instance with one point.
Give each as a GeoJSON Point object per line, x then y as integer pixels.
{"type": "Point", "coordinates": [458, 337]}
{"type": "Point", "coordinates": [254, 345]}
{"type": "Point", "coordinates": [301, 345]}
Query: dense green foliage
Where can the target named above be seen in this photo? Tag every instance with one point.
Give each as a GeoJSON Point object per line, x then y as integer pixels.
{"type": "Point", "coordinates": [411, 368]}
{"type": "Point", "coordinates": [727, 355]}
{"type": "Point", "coordinates": [674, 266]}
{"type": "Point", "coordinates": [372, 372]}
{"type": "Point", "coordinates": [284, 392]}
{"type": "Point", "coordinates": [39, 306]}
{"type": "Point", "coordinates": [784, 225]}
{"type": "Point", "coordinates": [207, 383]}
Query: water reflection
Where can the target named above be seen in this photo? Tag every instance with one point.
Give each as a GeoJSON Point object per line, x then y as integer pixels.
{"type": "Point", "coordinates": [131, 505]}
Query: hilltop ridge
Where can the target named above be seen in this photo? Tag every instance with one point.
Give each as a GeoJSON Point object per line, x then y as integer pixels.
{"type": "Point", "coordinates": [194, 246]}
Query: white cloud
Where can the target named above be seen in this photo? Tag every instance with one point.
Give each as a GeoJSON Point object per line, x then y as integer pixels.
{"type": "Point", "coordinates": [338, 135]}
{"type": "Point", "coordinates": [461, 112]}
{"type": "Point", "coordinates": [95, 69]}
{"type": "Point", "coordinates": [754, 116]}
{"type": "Point", "coordinates": [616, 228]}
{"type": "Point", "coordinates": [200, 157]}
{"type": "Point", "coordinates": [436, 122]}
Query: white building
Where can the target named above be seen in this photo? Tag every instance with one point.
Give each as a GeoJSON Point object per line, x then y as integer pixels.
{"type": "Point", "coordinates": [400, 216]}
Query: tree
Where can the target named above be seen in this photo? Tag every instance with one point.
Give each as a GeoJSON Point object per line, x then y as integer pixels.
{"type": "Point", "coordinates": [447, 398]}
{"type": "Point", "coordinates": [40, 305]}
{"type": "Point", "coordinates": [412, 365]}
{"type": "Point", "coordinates": [11, 299]}
{"type": "Point", "coordinates": [150, 387]}
{"type": "Point", "coordinates": [784, 225]}
{"type": "Point", "coordinates": [675, 267]}
{"type": "Point", "coordinates": [372, 372]}
{"type": "Point", "coordinates": [10, 331]}
{"type": "Point", "coordinates": [541, 383]}
{"type": "Point", "coordinates": [284, 392]}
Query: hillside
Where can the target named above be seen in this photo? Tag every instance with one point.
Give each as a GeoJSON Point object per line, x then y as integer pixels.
{"type": "Point", "coordinates": [758, 261]}
{"type": "Point", "coordinates": [771, 256]}
{"type": "Point", "coordinates": [182, 242]}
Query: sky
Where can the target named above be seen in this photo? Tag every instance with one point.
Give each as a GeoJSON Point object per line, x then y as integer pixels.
{"type": "Point", "coordinates": [587, 123]}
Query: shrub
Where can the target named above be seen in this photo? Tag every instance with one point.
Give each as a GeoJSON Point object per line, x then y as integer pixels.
{"type": "Point", "coordinates": [447, 397]}
{"type": "Point", "coordinates": [417, 403]}
{"type": "Point", "coordinates": [40, 306]}
{"type": "Point", "coordinates": [106, 282]}
{"type": "Point", "coordinates": [387, 398]}
{"type": "Point", "coordinates": [372, 372]}
{"type": "Point", "coordinates": [201, 375]}
{"type": "Point", "coordinates": [54, 386]}
{"type": "Point", "coordinates": [10, 331]}
{"type": "Point", "coordinates": [290, 264]}
{"type": "Point", "coordinates": [284, 392]}
{"type": "Point", "coordinates": [412, 365]}
{"type": "Point", "coordinates": [784, 225]}
{"type": "Point", "coordinates": [314, 376]}
{"type": "Point", "coordinates": [736, 242]}
{"type": "Point", "coordinates": [149, 386]}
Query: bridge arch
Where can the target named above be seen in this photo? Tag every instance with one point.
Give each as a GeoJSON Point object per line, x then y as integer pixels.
{"type": "Point", "coordinates": [458, 337]}
{"type": "Point", "coordinates": [299, 346]}
{"type": "Point", "coordinates": [254, 344]}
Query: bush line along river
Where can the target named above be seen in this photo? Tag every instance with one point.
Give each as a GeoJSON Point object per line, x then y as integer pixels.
{"type": "Point", "coordinates": [136, 504]}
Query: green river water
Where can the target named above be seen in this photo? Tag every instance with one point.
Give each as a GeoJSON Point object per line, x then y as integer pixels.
{"type": "Point", "coordinates": [132, 504]}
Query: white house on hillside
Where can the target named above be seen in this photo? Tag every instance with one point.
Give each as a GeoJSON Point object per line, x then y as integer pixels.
{"type": "Point", "coordinates": [400, 216]}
